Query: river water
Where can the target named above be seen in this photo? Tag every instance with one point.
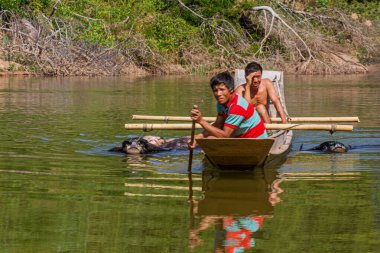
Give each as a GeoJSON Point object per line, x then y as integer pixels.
{"type": "Point", "coordinates": [62, 191]}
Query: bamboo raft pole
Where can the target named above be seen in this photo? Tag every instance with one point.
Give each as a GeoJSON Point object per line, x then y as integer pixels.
{"type": "Point", "coordinates": [275, 120]}
{"type": "Point", "coordinates": [327, 127]}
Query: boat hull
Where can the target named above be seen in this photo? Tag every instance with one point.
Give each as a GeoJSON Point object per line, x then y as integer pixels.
{"type": "Point", "coordinates": [244, 153]}
{"type": "Point", "coordinates": [236, 153]}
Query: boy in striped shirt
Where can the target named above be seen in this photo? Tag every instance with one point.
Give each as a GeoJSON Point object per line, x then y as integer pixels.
{"type": "Point", "coordinates": [236, 117]}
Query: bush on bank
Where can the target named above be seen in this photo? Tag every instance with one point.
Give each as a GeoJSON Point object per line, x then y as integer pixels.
{"type": "Point", "coordinates": [89, 37]}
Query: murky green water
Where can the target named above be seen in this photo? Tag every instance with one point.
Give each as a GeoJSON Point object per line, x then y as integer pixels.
{"type": "Point", "coordinates": [61, 191]}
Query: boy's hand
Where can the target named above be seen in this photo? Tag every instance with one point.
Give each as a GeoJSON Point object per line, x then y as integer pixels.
{"type": "Point", "coordinates": [196, 115]}
{"type": "Point", "coordinates": [249, 79]}
{"type": "Point", "coordinates": [192, 145]}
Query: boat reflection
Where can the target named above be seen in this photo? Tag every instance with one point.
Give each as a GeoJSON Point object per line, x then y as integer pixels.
{"type": "Point", "coordinates": [235, 206]}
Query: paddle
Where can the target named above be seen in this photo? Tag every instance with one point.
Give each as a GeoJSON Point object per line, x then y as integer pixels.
{"type": "Point", "coordinates": [191, 142]}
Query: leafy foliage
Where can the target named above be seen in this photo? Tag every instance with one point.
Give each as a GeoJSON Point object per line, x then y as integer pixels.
{"type": "Point", "coordinates": [367, 8]}
{"type": "Point", "coordinates": [12, 5]}
{"type": "Point", "coordinates": [222, 29]}
{"type": "Point", "coordinates": [210, 8]}
{"type": "Point", "coordinates": [322, 3]}
{"type": "Point", "coordinates": [170, 34]}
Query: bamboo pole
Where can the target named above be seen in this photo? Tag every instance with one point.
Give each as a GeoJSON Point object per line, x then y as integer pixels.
{"type": "Point", "coordinates": [319, 119]}
{"type": "Point", "coordinates": [327, 127]}
{"type": "Point", "coordinates": [168, 118]}
{"type": "Point", "coordinates": [293, 119]}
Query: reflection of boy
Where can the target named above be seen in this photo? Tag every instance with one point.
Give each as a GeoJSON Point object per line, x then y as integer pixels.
{"type": "Point", "coordinates": [239, 231]}
{"type": "Point", "coordinates": [274, 197]}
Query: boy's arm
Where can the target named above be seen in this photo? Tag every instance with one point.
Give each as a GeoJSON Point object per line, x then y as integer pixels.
{"type": "Point", "coordinates": [247, 87]}
{"type": "Point", "coordinates": [240, 90]}
{"type": "Point", "coordinates": [218, 124]}
{"type": "Point", "coordinates": [277, 103]}
{"type": "Point", "coordinates": [215, 129]}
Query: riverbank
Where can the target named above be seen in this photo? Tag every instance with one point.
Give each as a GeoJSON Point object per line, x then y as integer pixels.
{"type": "Point", "coordinates": [10, 68]}
{"type": "Point", "coordinates": [13, 69]}
{"type": "Point", "coordinates": [174, 38]}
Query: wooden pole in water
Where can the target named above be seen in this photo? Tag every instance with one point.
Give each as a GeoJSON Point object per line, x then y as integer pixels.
{"type": "Point", "coordinates": [191, 142]}
{"type": "Point", "coordinates": [290, 120]}
{"type": "Point", "coordinates": [327, 127]}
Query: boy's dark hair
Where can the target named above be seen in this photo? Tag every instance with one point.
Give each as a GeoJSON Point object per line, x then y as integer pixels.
{"type": "Point", "coordinates": [253, 67]}
{"type": "Point", "coordinates": [224, 78]}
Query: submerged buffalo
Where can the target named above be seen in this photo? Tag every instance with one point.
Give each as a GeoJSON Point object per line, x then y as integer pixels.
{"type": "Point", "coordinates": [330, 146]}
{"type": "Point", "coordinates": [151, 144]}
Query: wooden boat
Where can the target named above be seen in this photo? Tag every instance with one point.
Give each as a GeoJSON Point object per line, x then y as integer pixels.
{"type": "Point", "coordinates": [244, 153]}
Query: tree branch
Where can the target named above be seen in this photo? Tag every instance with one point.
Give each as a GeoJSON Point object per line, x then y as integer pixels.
{"type": "Point", "coordinates": [276, 16]}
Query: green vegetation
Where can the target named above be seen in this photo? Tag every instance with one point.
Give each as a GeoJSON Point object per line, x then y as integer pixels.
{"type": "Point", "coordinates": [369, 9]}
{"type": "Point", "coordinates": [12, 67]}
{"type": "Point", "coordinates": [322, 3]}
{"type": "Point", "coordinates": [199, 33]}
{"type": "Point", "coordinates": [170, 34]}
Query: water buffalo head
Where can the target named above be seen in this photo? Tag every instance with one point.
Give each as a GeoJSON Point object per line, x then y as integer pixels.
{"type": "Point", "coordinates": [332, 146]}
{"type": "Point", "coordinates": [140, 146]}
